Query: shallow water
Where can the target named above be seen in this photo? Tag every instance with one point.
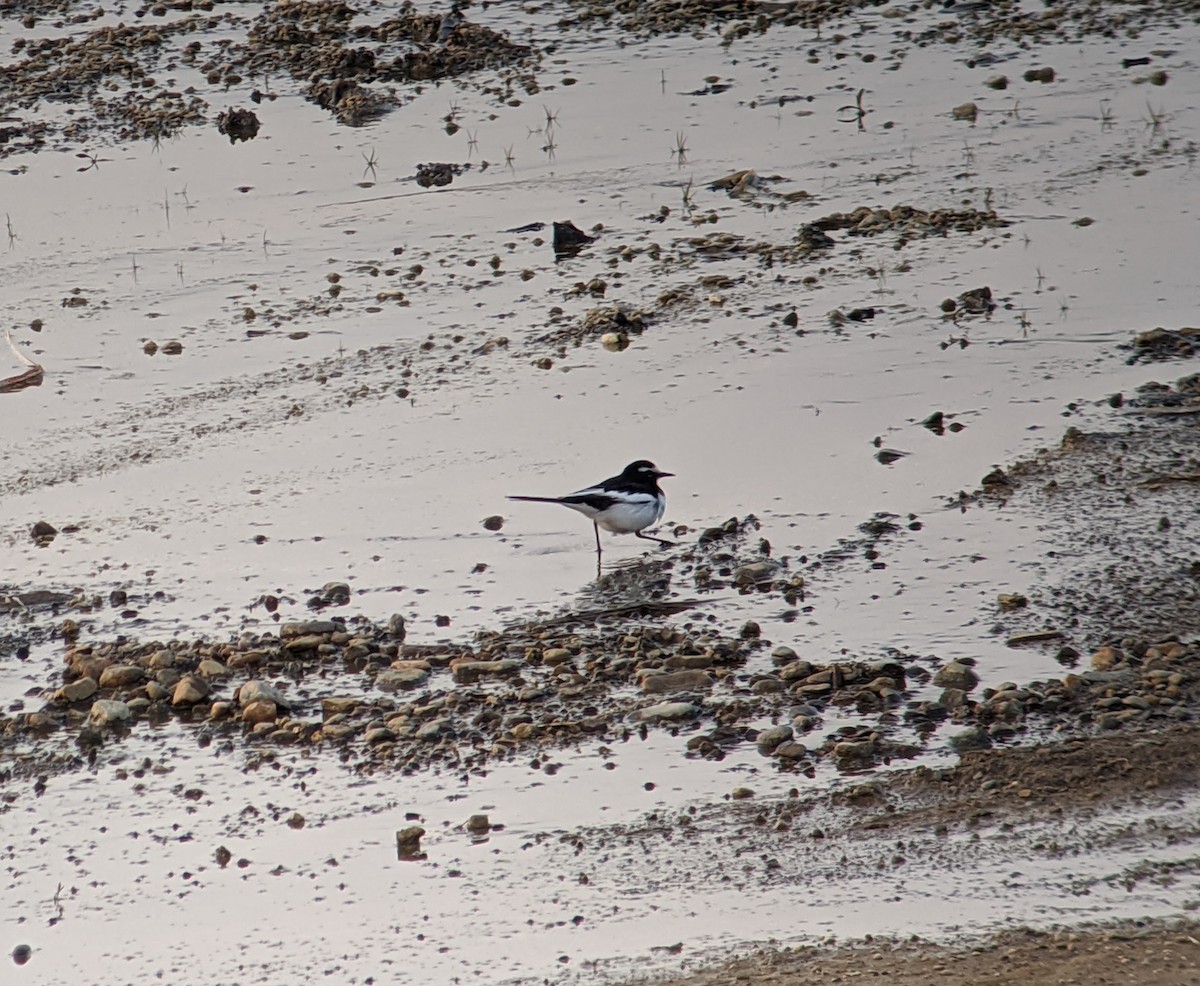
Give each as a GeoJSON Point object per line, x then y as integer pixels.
{"type": "Point", "coordinates": [173, 466]}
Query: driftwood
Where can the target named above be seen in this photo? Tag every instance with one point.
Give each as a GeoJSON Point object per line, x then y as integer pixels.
{"type": "Point", "coordinates": [29, 378]}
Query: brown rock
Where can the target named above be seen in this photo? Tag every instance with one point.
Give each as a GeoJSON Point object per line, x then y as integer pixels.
{"type": "Point", "coordinates": [77, 691]}
{"type": "Point", "coordinates": [190, 690]}
{"type": "Point", "coordinates": [676, 681]}
{"type": "Point", "coordinates": [254, 691]}
{"type": "Point", "coordinates": [121, 676]}
{"type": "Point", "coordinates": [259, 711]}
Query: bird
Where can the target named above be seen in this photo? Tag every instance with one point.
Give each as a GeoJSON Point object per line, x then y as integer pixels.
{"type": "Point", "coordinates": [624, 504]}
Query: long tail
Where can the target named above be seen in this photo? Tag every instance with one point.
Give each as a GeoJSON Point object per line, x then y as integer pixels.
{"type": "Point", "coordinates": [537, 499]}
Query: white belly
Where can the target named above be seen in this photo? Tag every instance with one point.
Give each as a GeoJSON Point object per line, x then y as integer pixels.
{"type": "Point", "coordinates": [625, 518]}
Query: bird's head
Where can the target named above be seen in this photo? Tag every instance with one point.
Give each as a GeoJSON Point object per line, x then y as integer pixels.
{"type": "Point", "coordinates": [644, 469]}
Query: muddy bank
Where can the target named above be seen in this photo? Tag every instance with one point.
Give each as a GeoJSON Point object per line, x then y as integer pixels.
{"type": "Point", "coordinates": [1130, 956]}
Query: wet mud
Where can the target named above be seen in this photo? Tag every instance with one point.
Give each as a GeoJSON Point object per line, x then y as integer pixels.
{"type": "Point", "coordinates": [308, 289]}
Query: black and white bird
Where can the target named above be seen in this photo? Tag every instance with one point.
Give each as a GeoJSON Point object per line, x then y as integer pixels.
{"type": "Point", "coordinates": [624, 504]}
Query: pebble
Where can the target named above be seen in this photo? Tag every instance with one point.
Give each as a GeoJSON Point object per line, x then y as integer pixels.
{"type": "Point", "coordinates": [433, 730]}
{"type": "Point", "coordinates": [853, 750]}
{"type": "Point", "coordinates": [339, 705]}
{"type": "Point", "coordinates": [791, 751]}
{"type": "Point", "coordinates": [1106, 658]}
{"type": "Point", "coordinates": [469, 671]}
{"type": "Point", "coordinates": [401, 675]}
{"type": "Point", "coordinates": [676, 681]}
{"type": "Point", "coordinates": [107, 712]}
{"type": "Point", "coordinates": [256, 691]}
{"type": "Point", "coordinates": [956, 675]}
{"type": "Point", "coordinates": [554, 656]}
{"type": "Point", "coordinates": [971, 738]}
{"type": "Point", "coordinates": [408, 842]}
{"type": "Point", "coordinates": [772, 737]}
{"type": "Point", "coordinates": [479, 824]}
{"type": "Point", "coordinates": [190, 690]}
{"type": "Point", "coordinates": [396, 628]}
{"type": "Point", "coordinates": [121, 676]}
{"type": "Point", "coordinates": [665, 712]}
{"type": "Point", "coordinates": [77, 691]}
{"type": "Point", "coordinates": [308, 642]}
{"type": "Point", "coordinates": [757, 573]}
{"type": "Point", "coordinates": [308, 627]}
{"type": "Point", "coordinates": [156, 692]}
{"type": "Point", "coordinates": [212, 669]}
{"type": "Point", "coordinates": [259, 710]}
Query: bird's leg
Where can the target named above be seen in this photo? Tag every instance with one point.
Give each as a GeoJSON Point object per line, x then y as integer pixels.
{"type": "Point", "coordinates": [647, 537]}
{"type": "Point", "coordinates": [596, 528]}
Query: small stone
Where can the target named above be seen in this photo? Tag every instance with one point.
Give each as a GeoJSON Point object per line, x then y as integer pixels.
{"type": "Point", "coordinates": [308, 642]}
{"type": "Point", "coordinates": [161, 659]}
{"type": "Point", "coordinates": [469, 671]}
{"type": "Point", "coordinates": [396, 629]}
{"type": "Point", "coordinates": [965, 111]}
{"type": "Point", "coordinates": [757, 573]}
{"type": "Point", "coordinates": [955, 675]}
{"type": "Point", "coordinates": [43, 532]}
{"type": "Point", "coordinates": [259, 710]}
{"type": "Point", "coordinates": [767, 686]}
{"type": "Point", "coordinates": [212, 669]}
{"type": "Point", "coordinates": [971, 738]}
{"type": "Point", "coordinates": [380, 734]}
{"type": "Point", "coordinates": [953, 698]}
{"type": "Point", "coordinates": [108, 712]}
{"type": "Point", "coordinates": [121, 676]}
{"type": "Point", "coordinates": [156, 692]}
{"type": "Point", "coordinates": [77, 691]}
{"type": "Point", "coordinates": [1011, 600]}
{"type": "Point", "coordinates": [402, 674]}
{"type": "Point", "coordinates": [305, 628]}
{"type": "Point", "coordinates": [770, 738]}
{"type": "Point", "coordinates": [337, 731]}
{"type": "Point", "coordinates": [433, 730]}
{"type": "Point", "coordinates": [783, 655]}
{"type": "Point", "coordinates": [1106, 658]}
{"type": "Point", "coordinates": [493, 523]}
{"type": "Point", "coordinates": [849, 751]}
{"type": "Point", "coordinates": [339, 706]}
{"type": "Point", "coordinates": [408, 842]}
{"type": "Point", "coordinates": [665, 712]}
{"type": "Point", "coordinates": [554, 656]}
{"type": "Point", "coordinates": [741, 793]}
{"type": "Point", "coordinates": [750, 631]}
{"type": "Point", "coordinates": [335, 591]}
{"type": "Point", "coordinates": [255, 691]}
{"type": "Point", "coordinates": [190, 690]}
{"type": "Point", "coordinates": [791, 751]}
{"type": "Point", "coordinates": [676, 681]}
{"type": "Point", "coordinates": [22, 954]}
{"type": "Point", "coordinates": [479, 824]}
{"type": "Point", "coordinates": [997, 82]}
